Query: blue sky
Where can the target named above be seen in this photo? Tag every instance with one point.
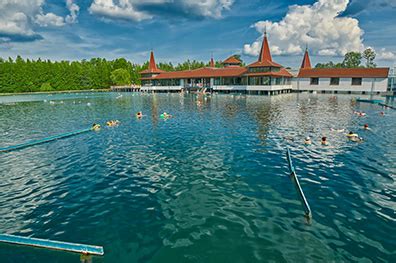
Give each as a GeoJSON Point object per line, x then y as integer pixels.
{"type": "Point", "coordinates": [194, 29]}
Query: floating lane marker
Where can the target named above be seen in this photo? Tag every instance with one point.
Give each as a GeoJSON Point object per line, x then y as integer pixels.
{"type": "Point", "coordinates": [41, 141]}
{"type": "Point", "coordinates": [387, 106]}
{"type": "Point", "coordinates": [294, 178]}
{"type": "Point", "coordinates": [50, 244]}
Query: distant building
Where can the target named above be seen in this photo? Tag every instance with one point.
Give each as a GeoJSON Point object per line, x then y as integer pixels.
{"type": "Point", "coordinates": [262, 76]}
{"type": "Point", "coordinates": [340, 80]}
{"type": "Point", "coordinates": [267, 77]}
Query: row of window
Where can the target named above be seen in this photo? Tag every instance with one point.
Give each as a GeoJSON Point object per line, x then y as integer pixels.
{"type": "Point", "coordinates": [336, 81]}
{"type": "Point", "coordinates": [263, 69]}
{"type": "Point", "coordinates": [256, 81]}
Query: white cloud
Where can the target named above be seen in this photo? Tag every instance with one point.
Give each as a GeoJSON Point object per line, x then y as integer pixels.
{"type": "Point", "coordinates": [20, 18]}
{"type": "Point", "coordinates": [124, 9]}
{"type": "Point", "coordinates": [138, 10]}
{"type": "Point", "coordinates": [385, 55]}
{"type": "Point", "coordinates": [318, 26]}
{"type": "Point", "coordinates": [49, 19]}
{"type": "Point", "coordinates": [74, 10]}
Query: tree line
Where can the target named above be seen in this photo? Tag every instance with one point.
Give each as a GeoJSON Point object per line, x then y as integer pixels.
{"type": "Point", "coordinates": [353, 60]}
{"type": "Point", "coordinates": [26, 75]}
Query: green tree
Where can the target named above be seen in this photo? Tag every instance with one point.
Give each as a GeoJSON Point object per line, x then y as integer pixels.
{"type": "Point", "coordinates": [121, 77]}
{"type": "Point", "coordinates": [369, 56]}
{"type": "Point", "coordinates": [46, 87]}
{"type": "Point", "coordinates": [352, 60]}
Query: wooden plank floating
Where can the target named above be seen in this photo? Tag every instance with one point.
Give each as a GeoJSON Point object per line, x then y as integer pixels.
{"type": "Point", "coordinates": [294, 178]}
{"type": "Point", "coordinates": [50, 244]}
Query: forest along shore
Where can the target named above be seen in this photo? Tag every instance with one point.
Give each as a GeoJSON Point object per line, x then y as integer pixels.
{"type": "Point", "coordinates": [53, 92]}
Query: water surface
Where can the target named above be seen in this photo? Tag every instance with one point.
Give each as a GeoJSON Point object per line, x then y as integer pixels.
{"type": "Point", "coordinates": [209, 185]}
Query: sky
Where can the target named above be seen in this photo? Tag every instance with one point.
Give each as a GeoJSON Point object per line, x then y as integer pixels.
{"type": "Point", "coordinates": [177, 30]}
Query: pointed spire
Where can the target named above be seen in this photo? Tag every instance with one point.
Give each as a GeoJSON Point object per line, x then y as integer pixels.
{"type": "Point", "coordinates": [265, 53]}
{"type": "Point", "coordinates": [306, 63]}
{"type": "Point", "coordinates": [152, 65]}
{"type": "Point", "coordinates": [211, 64]}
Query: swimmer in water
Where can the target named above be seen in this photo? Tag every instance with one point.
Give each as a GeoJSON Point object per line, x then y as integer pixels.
{"type": "Point", "coordinates": [308, 141]}
{"type": "Point", "coordinates": [366, 127]}
{"type": "Point", "coordinates": [95, 127]}
{"type": "Point", "coordinates": [112, 123]}
{"type": "Point", "coordinates": [324, 141]}
{"type": "Point", "coordinates": [165, 115]}
{"type": "Point", "coordinates": [139, 115]}
{"type": "Point", "coordinates": [354, 137]}
{"type": "Point", "coordinates": [382, 113]}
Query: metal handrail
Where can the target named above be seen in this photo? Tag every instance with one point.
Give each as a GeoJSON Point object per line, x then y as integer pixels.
{"type": "Point", "coordinates": [51, 244]}
{"type": "Point", "coordinates": [294, 178]}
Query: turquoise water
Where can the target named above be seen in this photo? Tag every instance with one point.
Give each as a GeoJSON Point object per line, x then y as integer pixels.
{"type": "Point", "coordinates": [209, 185]}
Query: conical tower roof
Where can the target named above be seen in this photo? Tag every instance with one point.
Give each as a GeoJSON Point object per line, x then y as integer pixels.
{"type": "Point", "coordinates": [265, 53]}
{"type": "Point", "coordinates": [152, 68]}
{"type": "Point", "coordinates": [306, 63]}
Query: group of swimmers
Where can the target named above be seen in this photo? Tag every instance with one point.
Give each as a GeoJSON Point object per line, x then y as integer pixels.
{"type": "Point", "coordinates": [352, 136]}
{"type": "Point", "coordinates": [113, 123]}
{"type": "Point", "coordinates": [163, 115]}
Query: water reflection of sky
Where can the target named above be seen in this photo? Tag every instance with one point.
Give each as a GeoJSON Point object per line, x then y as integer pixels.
{"type": "Point", "coordinates": [209, 184]}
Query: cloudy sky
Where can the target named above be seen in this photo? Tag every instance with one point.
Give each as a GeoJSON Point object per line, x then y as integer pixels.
{"type": "Point", "coordinates": [194, 29]}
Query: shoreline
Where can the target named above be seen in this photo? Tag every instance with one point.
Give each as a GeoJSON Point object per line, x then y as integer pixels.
{"type": "Point", "coordinates": [55, 92]}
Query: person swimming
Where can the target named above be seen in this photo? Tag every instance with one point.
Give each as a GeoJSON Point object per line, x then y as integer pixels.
{"type": "Point", "coordinates": [95, 127]}
{"type": "Point", "coordinates": [354, 137]}
{"type": "Point", "coordinates": [308, 140]}
{"type": "Point", "coordinates": [366, 127]}
{"type": "Point", "coordinates": [112, 123]}
{"type": "Point", "coordinates": [352, 134]}
{"type": "Point", "coordinates": [324, 141]}
{"type": "Point", "coordinates": [165, 116]}
{"type": "Point", "coordinates": [139, 115]}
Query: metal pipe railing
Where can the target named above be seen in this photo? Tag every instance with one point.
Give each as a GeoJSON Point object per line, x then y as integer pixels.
{"type": "Point", "coordinates": [294, 178]}
{"type": "Point", "coordinates": [51, 244]}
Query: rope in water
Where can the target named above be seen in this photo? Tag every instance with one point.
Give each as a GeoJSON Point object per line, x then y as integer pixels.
{"type": "Point", "coordinates": [293, 177]}
{"type": "Point", "coordinates": [41, 141]}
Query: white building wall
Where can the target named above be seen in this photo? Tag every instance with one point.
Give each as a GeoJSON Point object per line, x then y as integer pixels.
{"type": "Point", "coordinates": [251, 88]}
{"type": "Point", "coordinates": [368, 85]}
{"type": "Point", "coordinates": [161, 88]}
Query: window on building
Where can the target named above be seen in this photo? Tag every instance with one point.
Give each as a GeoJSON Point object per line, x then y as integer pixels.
{"type": "Point", "coordinates": [314, 81]}
{"type": "Point", "coordinates": [356, 81]}
{"type": "Point", "coordinates": [335, 81]}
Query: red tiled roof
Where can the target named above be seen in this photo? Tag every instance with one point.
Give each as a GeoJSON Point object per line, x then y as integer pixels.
{"type": "Point", "coordinates": [202, 73]}
{"type": "Point", "coordinates": [265, 53]}
{"type": "Point", "coordinates": [344, 73]}
{"type": "Point", "coordinates": [217, 72]}
{"type": "Point", "coordinates": [152, 66]}
{"type": "Point", "coordinates": [232, 60]}
{"type": "Point", "coordinates": [306, 63]}
{"type": "Point", "coordinates": [281, 73]}
{"type": "Point", "coordinates": [265, 63]}
{"type": "Point", "coordinates": [265, 58]}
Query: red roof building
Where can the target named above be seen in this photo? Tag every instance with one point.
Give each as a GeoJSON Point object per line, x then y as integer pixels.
{"type": "Point", "coordinates": [360, 80]}
{"type": "Point", "coordinates": [232, 61]}
{"type": "Point", "coordinates": [263, 72]}
{"type": "Point", "coordinates": [307, 72]}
